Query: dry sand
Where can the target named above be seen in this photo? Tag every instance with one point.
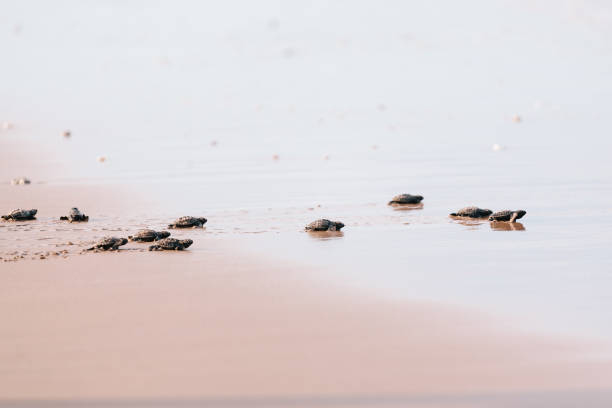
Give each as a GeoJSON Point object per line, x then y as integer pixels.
{"type": "Point", "coordinates": [173, 326]}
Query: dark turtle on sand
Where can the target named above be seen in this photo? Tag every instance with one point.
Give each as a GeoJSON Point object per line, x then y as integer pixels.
{"type": "Point", "coordinates": [324, 225]}
{"type": "Point", "coordinates": [20, 215]}
{"type": "Point", "coordinates": [112, 243]}
{"type": "Point", "coordinates": [472, 212]}
{"type": "Point", "coordinates": [75, 216]}
{"type": "Point", "coordinates": [406, 199]}
{"type": "Point", "coordinates": [507, 215]}
{"type": "Point", "coordinates": [149, 235]}
{"type": "Point", "coordinates": [188, 222]}
{"type": "Point", "coordinates": [171, 244]}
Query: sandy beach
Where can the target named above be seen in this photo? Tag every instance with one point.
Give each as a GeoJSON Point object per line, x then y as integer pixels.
{"type": "Point", "coordinates": [263, 117]}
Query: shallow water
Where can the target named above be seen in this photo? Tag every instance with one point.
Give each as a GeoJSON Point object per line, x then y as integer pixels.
{"type": "Point", "coordinates": [359, 103]}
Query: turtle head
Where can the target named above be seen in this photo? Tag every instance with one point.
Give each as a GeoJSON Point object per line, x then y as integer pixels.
{"type": "Point", "coordinates": [123, 241]}
{"type": "Point", "coordinates": [33, 211]}
{"type": "Point", "coordinates": [163, 234]}
{"type": "Point", "coordinates": [339, 225]}
{"type": "Point", "coordinates": [487, 212]}
{"type": "Point", "coordinates": [520, 214]}
{"type": "Point", "coordinates": [186, 243]}
{"type": "Point", "coordinates": [202, 220]}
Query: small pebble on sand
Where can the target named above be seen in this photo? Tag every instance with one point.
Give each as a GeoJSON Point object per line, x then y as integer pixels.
{"type": "Point", "coordinates": [516, 119]}
{"type": "Point", "coordinates": [275, 157]}
{"type": "Point", "coordinates": [7, 125]}
{"type": "Point", "coordinates": [497, 147]}
{"type": "Point", "coordinates": [67, 134]}
{"type": "Point", "coordinates": [213, 143]}
{"type": "Point", "coordinates": [101, 159]}
{"type": "Point", "coordinates": [20, 181]}
{"type": "Point", "coordinates": [326, 157]}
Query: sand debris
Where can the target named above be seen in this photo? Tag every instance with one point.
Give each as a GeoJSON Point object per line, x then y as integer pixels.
{"type": "Point", "coordinates": [19, 181]}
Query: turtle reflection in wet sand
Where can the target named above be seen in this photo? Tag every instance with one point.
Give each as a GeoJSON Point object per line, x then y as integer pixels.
{"type": "Point", "coordinates": [506, 226]}
{"type": "Point", "coordinates": [472, 212]}
{"type": "Point", "coordinates": [148, 235]}
{"type": "Point", "coordinates": [508, 215]}
{"type": "Point", "coordinates": [403, 199]}
{"type": "Point", "coordinates": [188, 222]}
{"type": "Point", "coordinates": [75, 216]}
{"type": "Point", "coordinates": [20, 215]}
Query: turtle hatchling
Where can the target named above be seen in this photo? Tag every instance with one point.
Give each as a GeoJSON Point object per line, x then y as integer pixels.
{"type": "Point", "coordinates": [106, 243]}
{"type": "Point", "coordinates": [20, 215]}
{"type": "Point", "coordinates": [406, 199]}
{"type": "Point", "coordinates": [324, 225]}
{"type": "Point", "coordinates": [472, 212]}
{"type": "Point", "coordinates": [171, 244]}
{"type": "Point", "coordinates": [75, 216]}
{"type": "Point", "coordinates": [188, 222]}
{"type": "Point", "coordinates": [149, 235]}
{"type": "Point", "coordinates": [507, 215]}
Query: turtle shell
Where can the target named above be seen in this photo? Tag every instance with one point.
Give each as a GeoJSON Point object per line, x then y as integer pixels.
{"type": "Point", "coordinates": [472, 212]}
{"type": "Point", "coordinates": [20, 214]}
{"type": "Point", "coordinates": [188, 222]}
{"type": "Point", "coordinates": [109, 243]}
{"type": "Point", "coordinates": [171, 244]}
{"type": "Point", "coordinates": [148, 235]}
{"type": "Point", "coordinates": [506, 215]}
{"type": "Point", "coordinates": [406, 199]}
{"type": "Point", "coordinates": [319, 225]}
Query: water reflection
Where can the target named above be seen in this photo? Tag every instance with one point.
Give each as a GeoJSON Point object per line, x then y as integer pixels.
{"type": "Point", "coordinates": [407, 207]}
{"type": "Point", "coordinates": [471, 223]}
{"type": "Point", "coordinates": [506, 226]}
{"type": "Point", "coordinates": [323, 235]}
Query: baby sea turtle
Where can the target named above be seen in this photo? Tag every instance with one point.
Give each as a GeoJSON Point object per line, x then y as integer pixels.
{"type": "Point", "coordinates": [149, 235]}
{"type": "Point", "coordinates": [472, 212]}
{"type": "Point", "coordinates": [507, 215]}
{"type": "Point", "coordinates": [20, 215]}
{"type": "Point", "coordinates": [75, 216]}
{"type": "Point", "coordinates": [188, 222]}
{"type": "Point", "coordinates": [171, 244]}
{"type": "Point", "coordinates": [324, 225]}
{"type": "Point", "coordinates": [406, 199]}
{"type": "Point", "coordinates": [106, 243]}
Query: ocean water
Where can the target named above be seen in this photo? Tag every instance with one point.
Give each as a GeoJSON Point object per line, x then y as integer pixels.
{"type": "Point", "coordinates": [264, 116]}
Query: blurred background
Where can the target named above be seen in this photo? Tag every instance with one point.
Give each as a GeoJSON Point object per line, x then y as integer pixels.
{"type": "Point", "coordinates": [286, 105]}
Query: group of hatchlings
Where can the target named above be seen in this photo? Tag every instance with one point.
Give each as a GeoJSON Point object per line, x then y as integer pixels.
{"type": "Point", "coordinates": [164, 242]}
